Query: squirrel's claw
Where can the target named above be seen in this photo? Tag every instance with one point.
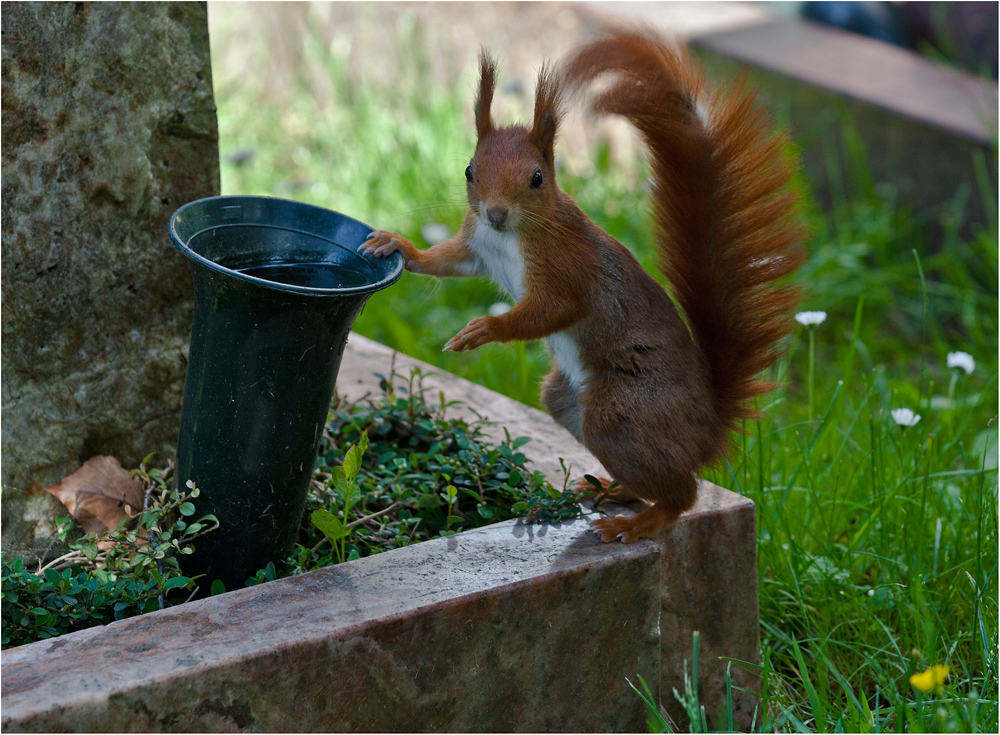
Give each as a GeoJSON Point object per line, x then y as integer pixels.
{"type": "Point", "coordinates": [632, 528]}
{"type": "Point", "coordinates": [475, 333]}
{"type": "Point", "coordinates": [381, 244]}
{"type": "Point", "coordinates": [613, 529]}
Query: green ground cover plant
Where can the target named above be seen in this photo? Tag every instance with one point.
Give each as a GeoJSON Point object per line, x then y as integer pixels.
{"type": "Point", "coordinates": [127, 571]}
{"type": "Point", "coordinates": [394, 470]}
{"type": "Point", "coordinates": [877, 531]}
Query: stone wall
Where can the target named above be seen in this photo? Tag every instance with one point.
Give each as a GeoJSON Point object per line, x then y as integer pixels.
{"type": "Point", "coordinates": [109, 125]}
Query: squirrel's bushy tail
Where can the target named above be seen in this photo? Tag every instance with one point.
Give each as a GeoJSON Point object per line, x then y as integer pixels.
{"type": "Point", "coordinates": [722, 205]}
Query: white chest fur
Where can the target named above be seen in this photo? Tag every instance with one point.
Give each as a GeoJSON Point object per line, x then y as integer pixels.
{"type": "Point", "coordinates": [501, 258]}
{"type": "Point", "coordinates": [502, 262]}
{"type": "Point", "coordinates": [567, 356]}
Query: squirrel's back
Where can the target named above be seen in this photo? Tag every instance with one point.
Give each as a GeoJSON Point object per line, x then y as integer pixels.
{"type": "Point", "coordinates": [723, 208]}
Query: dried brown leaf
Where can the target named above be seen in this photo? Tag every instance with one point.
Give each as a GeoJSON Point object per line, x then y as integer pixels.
{"type": "Point", "coordinates": [97, 494]}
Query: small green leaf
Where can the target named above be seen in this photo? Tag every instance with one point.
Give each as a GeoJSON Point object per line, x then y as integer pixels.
{"type": "Point", "coordinates": [218, 587]}
{"type": "Point", "coordinates": [52, 576]}
{"type": "Point", "coordinates": [331, 526]}
{"type": "Point", "coordinates": [352, 462]}
{"type": "Point", "coordinates": [186, 509]}
{"type": "Point", "coordinates": [355, 554]}
{"type": "Point", "coordinates": [350, 495]}
{"type": "Point", "coordinates": [175, 582]}
{"type": "Point", "coordinates": [425, 502]}
{"type": "Point", "coordinates": [338, 478]}
{"type": "Point", "coordinates": [520, 442]}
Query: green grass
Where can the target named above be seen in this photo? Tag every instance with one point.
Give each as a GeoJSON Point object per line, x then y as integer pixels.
{"type": "Point", "coordinates": [877, 544]}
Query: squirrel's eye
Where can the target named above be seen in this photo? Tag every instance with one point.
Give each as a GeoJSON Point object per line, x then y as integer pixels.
{"type": "Point", "coordinates": [536, 179]}
{"type": "Point", "coordinates": [468, 174]}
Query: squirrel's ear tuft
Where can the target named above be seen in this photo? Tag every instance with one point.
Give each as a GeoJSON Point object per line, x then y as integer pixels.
{"type": "Point", "coordinates": [547, 113]}
{"type": "Point", "coordinates": [487, 83]}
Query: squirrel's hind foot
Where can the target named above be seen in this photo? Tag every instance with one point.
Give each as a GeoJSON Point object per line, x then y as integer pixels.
{"type": "Point", "coordinates": [630, 529]}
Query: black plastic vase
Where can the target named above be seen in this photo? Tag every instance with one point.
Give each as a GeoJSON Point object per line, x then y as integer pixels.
{"type": "Point", "coordinates": [278, 285]}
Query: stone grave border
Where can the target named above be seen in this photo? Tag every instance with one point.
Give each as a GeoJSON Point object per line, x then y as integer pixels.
{"type": "Point", "coordinates": [508, 627]}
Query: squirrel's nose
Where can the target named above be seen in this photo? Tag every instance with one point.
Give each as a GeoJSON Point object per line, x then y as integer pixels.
{"type": "Point", "coordinates": [497, 215]}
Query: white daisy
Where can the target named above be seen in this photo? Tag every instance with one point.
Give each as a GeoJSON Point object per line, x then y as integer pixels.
{"type": "Point", "coordinates": [810, 318]}
{"type": "Point", "coordinates": [961, 360]}
{"type": "Point", "coordinates": [905, 417]}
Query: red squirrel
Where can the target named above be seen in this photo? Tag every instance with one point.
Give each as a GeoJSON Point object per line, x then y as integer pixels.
{"type": "Point", "coordinates": [652, 397]}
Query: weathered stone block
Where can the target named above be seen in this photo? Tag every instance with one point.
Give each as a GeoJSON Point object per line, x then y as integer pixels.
{"type": "Point", "coordinates": [498, 629]}
{"type": "Point", "coordinates": [926, 132]}
{"type": "Point", "coordinates": [108, 126]}
{"type": "Point", "coordinates": [710, 586]}
{"type": "Point", "coordinates": [509, 627]}
{"type": "Point", "coordinates": [922, 129]}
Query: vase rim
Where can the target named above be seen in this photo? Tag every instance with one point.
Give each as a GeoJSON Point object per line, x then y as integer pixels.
{"type": "Point", "coordinates": [219, 212]}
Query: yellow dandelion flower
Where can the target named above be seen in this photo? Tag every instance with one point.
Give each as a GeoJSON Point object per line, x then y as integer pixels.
{"type": "Point", "coordinates": [933, 678]}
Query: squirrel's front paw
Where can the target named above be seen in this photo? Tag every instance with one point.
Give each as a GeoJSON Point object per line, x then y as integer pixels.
{"type": "Point", "coordinates": [477, 332]}
{"type": "Point", "coordinates": [381, 243]}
